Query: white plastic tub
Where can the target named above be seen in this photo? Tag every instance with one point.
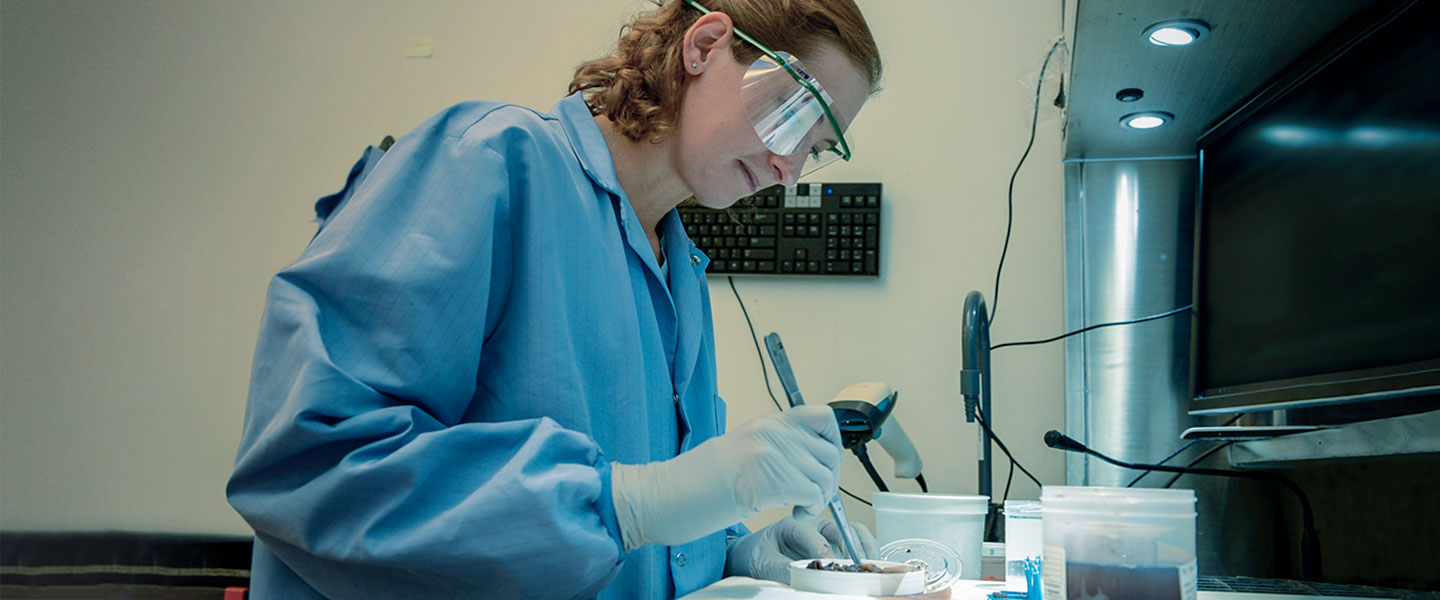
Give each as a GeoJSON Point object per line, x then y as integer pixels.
{"type": "Point", "coordinates": [955, 521]}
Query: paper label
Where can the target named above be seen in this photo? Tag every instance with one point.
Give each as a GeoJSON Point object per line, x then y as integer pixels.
{"type": "Point", "coordinates": [1052, 572]}
{"type": "Point", "coordinates": [1189, 586]}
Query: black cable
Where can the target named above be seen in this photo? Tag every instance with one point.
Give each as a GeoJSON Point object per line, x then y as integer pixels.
{"type": "Point", "coordinates": [856, 498]}
{"type": "Point", "coordinates": [864, 457]}
{"type": "Point", "coordinates": [765, 372]}
{"type": "Point", "coordinates": [920, 479]}
{"type": "Point", "coordinates": [992, 520]}
{"type": "Point", "coordinates": [1197, 461]}
{"type": "Point", "coordinates": [1162, 461]}
{"type": "Point", "coordinates": [1092, 327]}
{"type": "Point", "coordinates": [1310, 560]}
{"type": "Point", "coordinates": [1177, 453]}
{"type": "Point", "coordinates": [980, 416]}
{"type": "Point", "coordinates": [1008, 479]}
{"type": "Point", "coordinates": [1010, 196]}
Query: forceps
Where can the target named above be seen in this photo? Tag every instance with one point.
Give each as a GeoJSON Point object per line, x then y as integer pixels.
{"type": "Point", "coordinates": [792, 393]}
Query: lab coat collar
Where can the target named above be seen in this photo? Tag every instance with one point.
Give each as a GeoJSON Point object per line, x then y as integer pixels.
{"type": "Point", "coordinates": [589, 142]}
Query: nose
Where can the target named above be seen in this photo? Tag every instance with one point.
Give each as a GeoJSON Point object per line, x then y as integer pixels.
{"type": "Point", "coordinates": [787, 168]}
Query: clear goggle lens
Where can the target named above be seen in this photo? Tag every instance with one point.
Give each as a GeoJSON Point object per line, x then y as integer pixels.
{"type": "Point", "coordinates": [789, 119]}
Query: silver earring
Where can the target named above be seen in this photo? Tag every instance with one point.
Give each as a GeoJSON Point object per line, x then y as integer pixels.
{"type": "Point", "coordinates": [694, 65]}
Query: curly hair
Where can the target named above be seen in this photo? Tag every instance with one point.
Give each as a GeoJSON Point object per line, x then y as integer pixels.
{"type": "Point", "coordinates": [640, 85]}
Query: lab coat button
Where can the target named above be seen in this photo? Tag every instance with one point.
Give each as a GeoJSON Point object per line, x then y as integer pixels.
{"type": "Point", "coordinates": [695, 260]}
{"type": "Point", "coordinates": [677, 397]}
{"type": "Point", "coordinates": [680, 559]}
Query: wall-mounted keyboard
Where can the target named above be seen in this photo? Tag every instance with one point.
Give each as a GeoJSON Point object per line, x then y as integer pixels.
{"type": "Point", "coordinates": [804, 229]}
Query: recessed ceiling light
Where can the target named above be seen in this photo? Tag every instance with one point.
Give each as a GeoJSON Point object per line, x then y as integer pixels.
{"type": "Point", "coordinates": [1146, 120]}
{"type": "Point", "coordinates": [1178, 32]}
{"type": "Point", "coordinates": [1129, 94]}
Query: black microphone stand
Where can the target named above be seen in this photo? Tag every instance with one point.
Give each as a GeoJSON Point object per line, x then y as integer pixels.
{"type": "Point", "coordinates": [975, 389]}
{"type": "Point", "coordinates": [1309, 541]}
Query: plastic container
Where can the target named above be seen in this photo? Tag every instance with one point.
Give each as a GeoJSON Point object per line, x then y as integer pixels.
{"type": "Point", "coordinates": [1118, 543]}
{"type": "Point", "coordinates": [1023, 538]}
{"type": "Point", "coordinates": [955, 521]}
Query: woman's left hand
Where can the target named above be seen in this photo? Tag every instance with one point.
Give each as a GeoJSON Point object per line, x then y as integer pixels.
{"type": "Point", "coordinates": [767, 554]}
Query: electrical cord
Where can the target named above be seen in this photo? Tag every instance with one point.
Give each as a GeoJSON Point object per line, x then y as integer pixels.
{"type": "Point", "coordinates": [1009, 229]}
{"type": "Point", "coordinates": [855, 498]}
{"type": "Point", "coordinates": [1310, 561]}
{"type": "Point", "coordinates": [980, 416]}
{"type": "Point", "coordinates": [765, 372]}
{"type": "Point", "coordinates": [991, 518]}
{"type": "Point", "coordinates": [1183, 448]}
{"type": "Point", "coordinates": [1197, 461]}
{"type": "Point", "coordinates": [864, 456]}
{"type": "Point", "coordinates": [1010, 196]}
{"type": "Point", "coordinates": [1093, 327]}
{"type": "Point", "coordinates": [1309, 540]}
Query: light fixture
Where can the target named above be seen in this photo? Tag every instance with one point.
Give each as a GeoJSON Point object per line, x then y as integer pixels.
{"type": "Point", "coordinates": [1177, 32]}
{"type": "Point", "coordinates": [1146, 120]}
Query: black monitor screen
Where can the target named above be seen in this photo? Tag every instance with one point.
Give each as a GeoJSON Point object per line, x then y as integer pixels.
{"type": "Point", "coordinates": [1318, 255]}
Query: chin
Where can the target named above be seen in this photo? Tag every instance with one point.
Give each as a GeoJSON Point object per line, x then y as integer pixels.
{"type": "Point", "coordinates": [718, 200]}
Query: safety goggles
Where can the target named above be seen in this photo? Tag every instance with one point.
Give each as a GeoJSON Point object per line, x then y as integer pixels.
{"type": "Point", "coordinates": [786, 104]}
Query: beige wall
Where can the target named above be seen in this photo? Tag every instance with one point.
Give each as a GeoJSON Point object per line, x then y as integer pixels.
{"type": "Point", "coordinates": [158, 161]}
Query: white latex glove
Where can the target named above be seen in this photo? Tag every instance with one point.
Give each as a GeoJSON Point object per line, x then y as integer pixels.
{"type": "Point", "coordinates": [767, 554]}
{"type": "Point", "coordinates": [790, 458]}
{"type": "Point", "coordinates": [869, 547]}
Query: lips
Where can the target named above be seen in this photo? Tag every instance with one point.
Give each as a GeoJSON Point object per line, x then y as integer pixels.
{"type": "Point", "coordinates": [749, 179]}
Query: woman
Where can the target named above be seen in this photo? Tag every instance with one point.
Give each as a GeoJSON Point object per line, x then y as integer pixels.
{"type": "Point", "coordinates": [492, 372]}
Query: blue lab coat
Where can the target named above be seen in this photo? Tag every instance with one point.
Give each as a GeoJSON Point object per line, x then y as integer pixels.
{"type": "Point", "coordinates": [476, 331]}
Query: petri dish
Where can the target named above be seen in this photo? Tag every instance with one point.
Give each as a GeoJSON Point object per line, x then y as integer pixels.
{"type": "Point", "coordinates": [940, 563]}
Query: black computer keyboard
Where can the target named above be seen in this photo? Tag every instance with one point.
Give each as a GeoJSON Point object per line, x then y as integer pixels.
{"type": "Point", "coordinates": [804, 229]}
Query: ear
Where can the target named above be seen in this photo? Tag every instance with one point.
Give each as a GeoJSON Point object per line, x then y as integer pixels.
{"type": "Point", "coordinates": [710, 33]}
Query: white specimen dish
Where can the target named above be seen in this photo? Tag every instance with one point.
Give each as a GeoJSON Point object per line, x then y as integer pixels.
{"type": "Point", "coordinates": [856, 584]}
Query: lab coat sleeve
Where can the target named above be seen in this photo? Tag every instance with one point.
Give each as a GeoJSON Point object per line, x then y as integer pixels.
{"type": "Point", "coordinates": [355, 467]}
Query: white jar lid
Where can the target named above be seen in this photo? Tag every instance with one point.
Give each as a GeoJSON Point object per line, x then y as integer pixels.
{"type": "Point", "coordinates": [931, 503]}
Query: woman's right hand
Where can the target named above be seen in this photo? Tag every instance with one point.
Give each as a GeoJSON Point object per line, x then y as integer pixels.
{"type": "Point", "coordinates": [790, 458]}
